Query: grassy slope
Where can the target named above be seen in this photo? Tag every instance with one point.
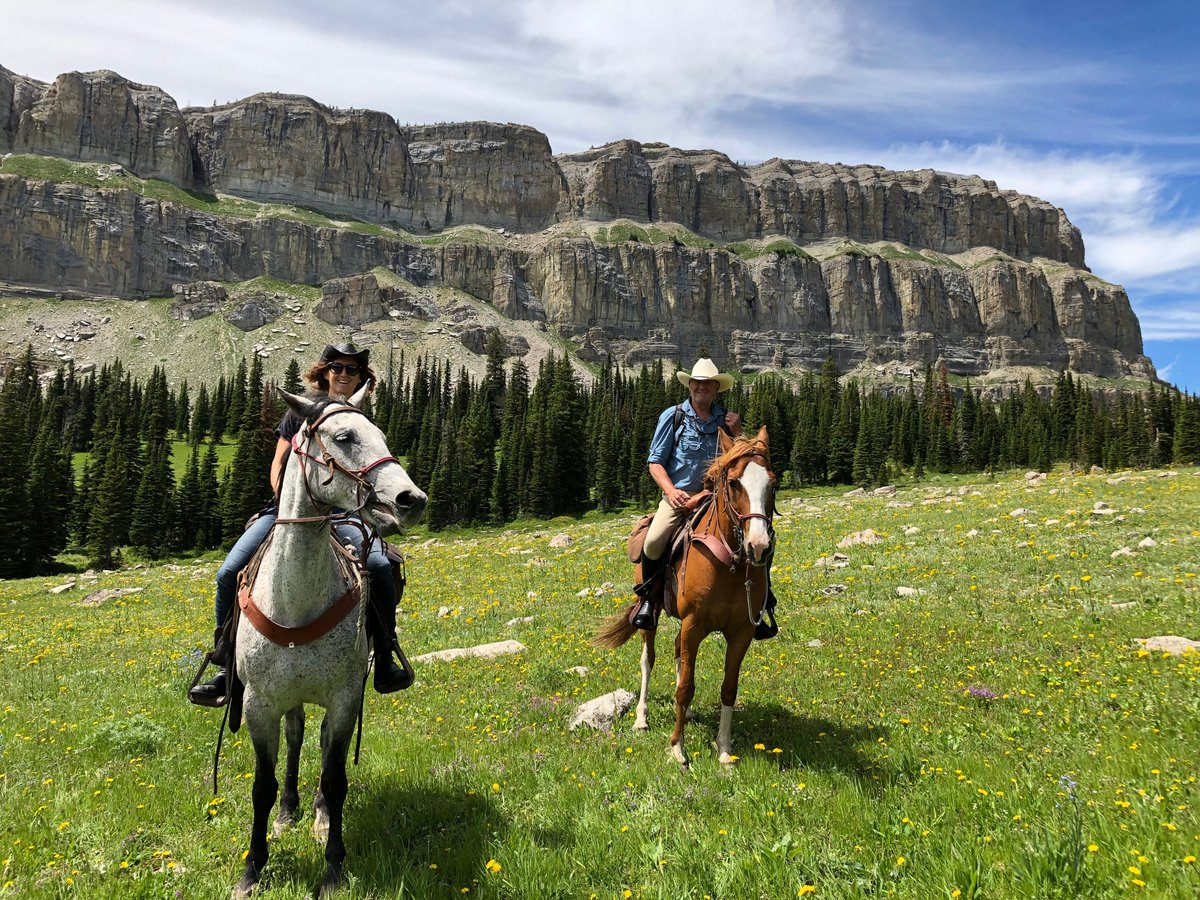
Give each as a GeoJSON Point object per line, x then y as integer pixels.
{"type": "Point", "coordinates": [865, 770]}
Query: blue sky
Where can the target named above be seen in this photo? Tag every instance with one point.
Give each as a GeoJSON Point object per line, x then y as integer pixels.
{"type": "Point", "coordinates": [1092, 106]}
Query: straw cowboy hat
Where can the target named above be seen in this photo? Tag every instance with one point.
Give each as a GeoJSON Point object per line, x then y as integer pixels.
{"type": "Point", "coordinates": [705, 370]}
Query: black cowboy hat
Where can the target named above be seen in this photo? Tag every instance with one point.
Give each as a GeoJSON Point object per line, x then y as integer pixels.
{"type": "Point", "coordinates": [345, 350]}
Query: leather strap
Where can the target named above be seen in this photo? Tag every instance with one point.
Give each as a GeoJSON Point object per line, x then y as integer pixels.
{"type": "Point", "coordinates": [287, 636]}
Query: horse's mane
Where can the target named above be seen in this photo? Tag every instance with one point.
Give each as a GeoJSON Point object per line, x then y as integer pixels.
{"type": "Point", "coordinates": [742, 446]}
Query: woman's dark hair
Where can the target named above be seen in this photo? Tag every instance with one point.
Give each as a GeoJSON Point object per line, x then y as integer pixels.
{"type": "Point", "coordinates": [317, 375]}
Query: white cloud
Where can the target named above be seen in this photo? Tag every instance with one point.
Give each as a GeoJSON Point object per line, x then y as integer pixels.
{"type": "Point", "coordinates": [1170, 322]}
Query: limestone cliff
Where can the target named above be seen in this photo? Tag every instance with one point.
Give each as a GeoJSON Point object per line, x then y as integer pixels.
{"type": "Point", "coordinates": [903, 266]}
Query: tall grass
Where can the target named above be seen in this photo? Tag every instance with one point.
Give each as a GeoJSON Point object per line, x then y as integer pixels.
{"type": "Point", "coordinates": [996, 734]}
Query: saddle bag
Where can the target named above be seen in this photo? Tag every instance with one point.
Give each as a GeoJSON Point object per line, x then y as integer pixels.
{"type": "Point", "coordinates": [637, 537]}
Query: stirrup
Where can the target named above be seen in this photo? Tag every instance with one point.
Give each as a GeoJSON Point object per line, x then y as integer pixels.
{"type": "Point", "coordinates": [198, 693]}
{"type": "Point", "coordinates": [767, 628]}
{"type": "Point", "coordinates": [644, 618]}
{"type": "Point", "coordinates": [401, 677]}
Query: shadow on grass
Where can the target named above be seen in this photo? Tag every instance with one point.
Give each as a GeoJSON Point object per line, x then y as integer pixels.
{"type": "Point", "coordinates": [418, 838]}
{"type": "Point", "coordinates": [809, 742]}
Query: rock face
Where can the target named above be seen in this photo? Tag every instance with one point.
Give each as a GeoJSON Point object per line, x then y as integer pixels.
{"type": "Point", "coordinates": [1028, 300]}
{"type": "Point", "coordinates": [96, 117]}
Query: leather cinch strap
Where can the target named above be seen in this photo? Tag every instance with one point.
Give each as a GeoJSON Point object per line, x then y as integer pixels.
{"type": "Point", "coordinates": [287, 636]}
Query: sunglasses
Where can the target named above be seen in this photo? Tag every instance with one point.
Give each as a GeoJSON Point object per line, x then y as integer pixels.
{"type": "Point", "coordinates": [339, 368]}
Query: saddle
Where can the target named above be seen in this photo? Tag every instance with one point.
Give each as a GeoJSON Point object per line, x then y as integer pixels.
{"type": "Point", "coordinates": [683, 534]}
{"type": "Point", "coordinates": [223, 655]}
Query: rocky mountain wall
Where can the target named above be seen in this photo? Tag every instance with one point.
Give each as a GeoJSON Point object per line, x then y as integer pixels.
{"type": "Point", "coordinates": [360, 163]}
{"type": "Point", "coordinates": [789, 307]}
{"type": "Point", "coordinates": [96, 117]}
{"type": "Point", "coordinates": [1026, 300]}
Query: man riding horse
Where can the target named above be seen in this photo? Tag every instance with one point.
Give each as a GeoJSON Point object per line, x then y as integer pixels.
{"type": "Point", "coordinates": [683, 446]}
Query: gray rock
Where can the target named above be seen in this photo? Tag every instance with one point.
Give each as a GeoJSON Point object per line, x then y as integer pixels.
{"type": "Point", "coordinates": [1170, 643]}
{"type": "Point", "coordinates": [603, 711]}
{"type": "Point", "coordinates": [482, 651]}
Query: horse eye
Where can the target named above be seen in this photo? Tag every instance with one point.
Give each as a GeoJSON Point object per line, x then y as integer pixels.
{"type": "Point", "coordinates": [344, 437]}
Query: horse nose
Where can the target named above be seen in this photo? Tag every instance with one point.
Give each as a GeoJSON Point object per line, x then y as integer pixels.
{"type": "Point", "coordinates": [411, 504]}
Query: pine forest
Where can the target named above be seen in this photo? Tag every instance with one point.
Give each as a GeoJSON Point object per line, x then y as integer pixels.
{"type": "Point", "coordinates": [114, 462]}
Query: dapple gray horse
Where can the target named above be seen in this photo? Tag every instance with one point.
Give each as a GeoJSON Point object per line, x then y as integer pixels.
{"type": "Point", "coordinates": [339, 459]}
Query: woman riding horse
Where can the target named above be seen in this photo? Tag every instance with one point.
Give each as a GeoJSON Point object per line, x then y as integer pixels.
{"type": "Point", "coordinates": [339, 373]}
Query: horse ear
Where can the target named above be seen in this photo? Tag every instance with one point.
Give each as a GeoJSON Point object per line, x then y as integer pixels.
{"type": "Point", "coordinates": [762, 436]}
{"type": "Point", "coordinates": [724, 441]}
{"type": "Point", "coordinates": [301, 406]}
{"type": "Point", "coordinates": [360, 395]}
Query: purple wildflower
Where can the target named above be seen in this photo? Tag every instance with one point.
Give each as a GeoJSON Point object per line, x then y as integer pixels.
{"type": "Point", "coordinates": [979, 692]}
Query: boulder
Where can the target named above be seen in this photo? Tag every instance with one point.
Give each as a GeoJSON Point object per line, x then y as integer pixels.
{"type": "Point", "coordinates": [603, 711]}
{"type": "Point", "coordinates": [483, 651]}
{"type": "Point", "coordinates": [197, 300]}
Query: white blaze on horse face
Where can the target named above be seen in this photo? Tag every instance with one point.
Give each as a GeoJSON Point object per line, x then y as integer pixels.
{"type": "Point", "coordinates": [756, 483]}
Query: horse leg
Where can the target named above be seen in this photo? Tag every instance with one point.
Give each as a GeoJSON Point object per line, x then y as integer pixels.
{"type": "Point", "coordinates": [647, 667]}
{"type": "Point", "coordinates": [691, 717]}
{"type": "Point", "coordinates": [264, 733]}
{"type": "Point", "coordinates": [334, 748]}
{"type": "Point", "coordinates": [289, 801]}
{"type": "Point", "coordinates": [688, 645]}
{"type": "Point", "coordinates": [320, 825]}
{"type": "Point", "coordinates": [735, 652]}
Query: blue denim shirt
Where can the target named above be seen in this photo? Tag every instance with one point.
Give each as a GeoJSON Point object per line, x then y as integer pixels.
{"type": "Point", "coordinates": [687, 459]}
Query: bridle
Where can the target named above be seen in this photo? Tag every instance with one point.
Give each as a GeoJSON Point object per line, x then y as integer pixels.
{"type": "Point", "coordinates": [364, 491]}
{"type": "Point", "coordinates": [737, 520]}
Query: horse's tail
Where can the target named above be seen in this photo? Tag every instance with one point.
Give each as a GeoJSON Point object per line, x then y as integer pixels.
{"type": "Point", "coordinates": [615, 632]}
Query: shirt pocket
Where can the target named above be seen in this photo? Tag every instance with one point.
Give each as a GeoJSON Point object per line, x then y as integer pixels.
{"type": "Point", "coordinates": [691, 443]}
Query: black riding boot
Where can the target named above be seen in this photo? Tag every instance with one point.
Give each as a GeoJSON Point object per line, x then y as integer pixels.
{"type": "Point", "coordinates": [767, 629]}
{"type": "Point", "coordinates": [389, 677]}
{"type": "Point", "coordinates": [215, 691]}
{"type": "Point", "coordinates": [649, 590]}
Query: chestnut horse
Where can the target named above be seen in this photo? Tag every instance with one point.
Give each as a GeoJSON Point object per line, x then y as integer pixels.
{"type": "Point", "coordinates": [721, 583]}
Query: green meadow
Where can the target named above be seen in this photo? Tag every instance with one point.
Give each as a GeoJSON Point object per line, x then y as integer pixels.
{"type": "Point", "coordinates": [958, 710]}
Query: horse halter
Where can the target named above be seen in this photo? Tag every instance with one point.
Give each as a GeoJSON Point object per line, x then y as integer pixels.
{"type": "Point", "coordinates": [738, 519]}
{"type": "Point", "coordinates": [363, 490]}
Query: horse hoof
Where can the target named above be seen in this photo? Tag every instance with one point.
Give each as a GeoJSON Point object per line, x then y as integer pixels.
{"type": "Point", "coordinates": [331, 883]}
{"type": "Point", "coordinates": [679, 756]}
{"type": "Point", "coordinates": [243, 889]}
{"type": "Point", "coordinates": [281, 825]}
{"type": "Point", "coordinates": [641, 725]}
{"type": "Point", "coordinates": [728, 759]}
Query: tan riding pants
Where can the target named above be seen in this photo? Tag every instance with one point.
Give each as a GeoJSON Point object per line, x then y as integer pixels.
{"type": "Point", "coordinates": [666, 517]}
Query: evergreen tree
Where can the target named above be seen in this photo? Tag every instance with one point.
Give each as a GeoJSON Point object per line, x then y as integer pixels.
{"type": "Point", "coordinates": [201, 423]}
{"type": "Point", "coordinates": [149, 523]}
{"type": "Point", "coordinates": [292, 382]}
{"type": "Point", "coordinates": [15, 506]}
{"type": "Point", "coordinates": [209, 523]}
{"type": "Point", "coordinates": [183, 410]}
{"type": "Point", "coordinates": [1186, 448]}
{"type": "Point", "coordinates": [108, 525]}
{"type": "Point", "coordinates": [51, 489]}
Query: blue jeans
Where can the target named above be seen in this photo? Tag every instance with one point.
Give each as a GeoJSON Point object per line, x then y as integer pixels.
{"type": "Point", "coordinates": [379, 570]}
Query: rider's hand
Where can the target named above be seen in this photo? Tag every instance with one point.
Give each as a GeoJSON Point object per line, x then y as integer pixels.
{"type": "Point", "coordinates": [733, 423]}
{"type": "Point", "coordinates": [678, 497]}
